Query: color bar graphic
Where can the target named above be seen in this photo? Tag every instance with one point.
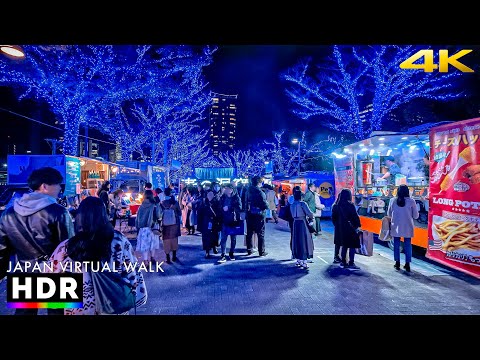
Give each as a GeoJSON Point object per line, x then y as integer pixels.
{"type": "Point", "coordinates": [44, 305]}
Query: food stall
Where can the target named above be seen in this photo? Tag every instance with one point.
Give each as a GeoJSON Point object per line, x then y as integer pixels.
{"type": "Point", "coordinates": [454, 216]}
{"type": "Point", "coordinates": [93, 173]}
{"type": "Point", "coordinates": [322, 179]}
{"type": "Point", "coordinates": [361, 165]}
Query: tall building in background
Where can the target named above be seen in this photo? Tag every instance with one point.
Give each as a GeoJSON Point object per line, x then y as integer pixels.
{"type": "Point", "coordinates": [223, 122]}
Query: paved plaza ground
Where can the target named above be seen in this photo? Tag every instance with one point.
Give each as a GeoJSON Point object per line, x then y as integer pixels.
{"type": "Point", "coordinates": [273, 285]}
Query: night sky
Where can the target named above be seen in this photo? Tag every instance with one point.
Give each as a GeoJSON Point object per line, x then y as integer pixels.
{"type": "Point", "coordinates": [251, 71]}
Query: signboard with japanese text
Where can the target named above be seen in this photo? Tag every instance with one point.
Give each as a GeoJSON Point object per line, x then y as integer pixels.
{"type": "Point", "coordinates": [158, 180]}
{"type": "Point", "coordinates": [73, 175]}
{"type": "Point", "coordinates": [343, 170]}
{"type": "Point", "coordinates": [454, 214]}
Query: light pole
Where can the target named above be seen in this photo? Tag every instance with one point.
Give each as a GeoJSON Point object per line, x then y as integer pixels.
{"type": "Point", "coordinates": [296, 141]}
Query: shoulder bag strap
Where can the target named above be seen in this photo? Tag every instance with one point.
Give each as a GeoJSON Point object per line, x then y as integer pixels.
{"type": "Point", "coordinates": [214, 214]}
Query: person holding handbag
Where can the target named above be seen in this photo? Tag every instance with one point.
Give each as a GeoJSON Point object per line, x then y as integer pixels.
{"type": "Point", "coordinates": [302, 241]}
{"type": "Point", "coordinates": [95, 242]}
{"type": "Point", "coordinates": [402, 211]}
{"type": "Point", "coordinates": [347, 227]}
{"type": "Point", "coordinates": [147, 216]}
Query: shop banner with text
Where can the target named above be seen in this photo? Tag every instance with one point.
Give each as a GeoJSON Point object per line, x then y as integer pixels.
{"type": "Point", "coordinates": [454, 214]}
{"type": "Point", "coordinates": [343, 170]}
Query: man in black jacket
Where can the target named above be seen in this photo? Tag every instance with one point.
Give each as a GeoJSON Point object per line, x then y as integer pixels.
{"type": "Point", "coordinates": [256, 204]}
{"type": "Point", "coordinates": [34, 226]}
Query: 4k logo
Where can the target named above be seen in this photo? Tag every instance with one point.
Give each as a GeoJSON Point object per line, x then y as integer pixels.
{"type": "Point", "coordinates": [443, 61]}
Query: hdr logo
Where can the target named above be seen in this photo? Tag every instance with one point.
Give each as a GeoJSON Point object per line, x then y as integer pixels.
{"type": "Point", "coordinates": [444, 60]}
{"type": "Point", "coordinates": [44, 291]}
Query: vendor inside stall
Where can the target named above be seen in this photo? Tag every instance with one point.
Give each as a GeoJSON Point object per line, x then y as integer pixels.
{"type": "Point", "coordinates": [393, 169]}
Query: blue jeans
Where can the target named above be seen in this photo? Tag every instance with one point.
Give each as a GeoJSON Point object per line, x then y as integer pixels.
{"type": "Point", "coordinates": [407, 247]}
{"type": "Point", "coordinates": [223, 242]}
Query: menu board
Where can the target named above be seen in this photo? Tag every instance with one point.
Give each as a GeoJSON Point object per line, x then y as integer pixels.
{"type": "Point", "coordinates": [73, 174]}
{"type": "Point", "coordinates": [343, 170]}
{"type": "Point", "coordinates": [454, 214]}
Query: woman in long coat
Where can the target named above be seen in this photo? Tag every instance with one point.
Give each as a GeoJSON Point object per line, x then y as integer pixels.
{"type": "Point", "coordinates": [186, 208]}
{"type": "Point", "coordinates": [208, 217]}
{"type": "Point", "coordinates": [170, 233]}
{"type": "Point", "coordinates": [347, 224]}
{"type": "Point", "coordinates": [302, 241]}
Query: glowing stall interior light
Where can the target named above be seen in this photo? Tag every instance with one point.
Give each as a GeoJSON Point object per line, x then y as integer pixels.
{"type": "Point", "coordinates": [339, 156]}
{"type": "Point", "coordinates": [372, 152]}
{"type": "Point", "coordinates": [389, 152]}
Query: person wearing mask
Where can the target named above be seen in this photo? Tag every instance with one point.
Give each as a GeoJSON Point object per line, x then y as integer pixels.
{"type": "Point", "coordinates": [33, 227]}
{"type": "Point", "coordinates": [102, 193]}
{"type": "Point", "coordinates": [256, 204]}
{"type": "Point", "coordinates": [402, 210]}
{"type": "Point", "coordinates": [231, 207]}
{"type": "Point", "coordinates": [95, 241]}
{"type": "Point", "coordinates": [309, 199]}
{"type": "Point", "coordinates": [147, 216]}
{"type": "Point", "coordinates": [302, 242]}
{"type": "Point", "coordinates": [171, 229]}
{"type": "Point", "coordinates": [347, 225]}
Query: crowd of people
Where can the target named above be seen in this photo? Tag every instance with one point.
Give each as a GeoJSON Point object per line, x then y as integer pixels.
{"type": "Point", "coordinates": [36, 228]}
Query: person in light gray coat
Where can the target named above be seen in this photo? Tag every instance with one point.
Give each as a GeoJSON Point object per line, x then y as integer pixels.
{"type": "Point", "coordinates": [402, 211]}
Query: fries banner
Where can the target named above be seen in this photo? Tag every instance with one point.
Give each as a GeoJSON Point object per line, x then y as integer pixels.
{"type": "Point", "coordinates": [454, 204]}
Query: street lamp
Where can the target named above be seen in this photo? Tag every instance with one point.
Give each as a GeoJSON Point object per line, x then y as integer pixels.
{"type": "Point", "coordinates": [296, 141]}
{"type": "Point", "coordinates": [13, 51]}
